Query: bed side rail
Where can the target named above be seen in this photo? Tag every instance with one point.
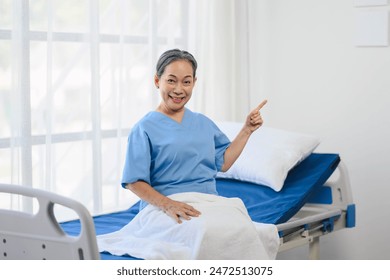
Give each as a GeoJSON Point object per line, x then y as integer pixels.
{"type": "Point", "coordinates": [341, 188]}
{"type": "Point", "coordinates": [39, 236]}
{"type": "Point", "coordinates": [336, 193]}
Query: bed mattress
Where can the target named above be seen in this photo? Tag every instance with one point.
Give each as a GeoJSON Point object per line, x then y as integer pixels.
{"type": "Point", "coordinates": [267, 206]}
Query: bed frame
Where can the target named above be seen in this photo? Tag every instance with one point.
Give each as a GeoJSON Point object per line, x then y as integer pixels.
{"type": "Point", "coordinates": [40, 236]}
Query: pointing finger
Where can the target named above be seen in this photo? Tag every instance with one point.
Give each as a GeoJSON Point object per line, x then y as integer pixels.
{"type": "Point", "coordinates": [257, 109]}
{"type": "Point", "coordinates": [261, 105]}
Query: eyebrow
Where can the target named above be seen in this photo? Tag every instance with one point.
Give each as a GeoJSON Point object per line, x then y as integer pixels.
{"type": "Point", "coordinates": [188, 76]}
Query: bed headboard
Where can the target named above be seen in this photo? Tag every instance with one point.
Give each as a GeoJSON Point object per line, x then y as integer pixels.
{"type": "Point", "coordinates": [39, 236]}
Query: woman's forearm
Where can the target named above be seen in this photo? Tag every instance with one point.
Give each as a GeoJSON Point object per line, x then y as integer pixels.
{"type": "Point", "coordinates": [147, 193]}
{"type": "Point", "coordinates": [235, 149]}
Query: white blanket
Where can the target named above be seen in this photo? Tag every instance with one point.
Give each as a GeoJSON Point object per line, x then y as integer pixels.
{"type": "Point", "coordinates": [224, 230]}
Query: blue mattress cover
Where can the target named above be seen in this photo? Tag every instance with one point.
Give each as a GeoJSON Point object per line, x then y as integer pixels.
{"type": "Point", "coordinates": [267, 206]}
{"type": "Point", "coordinates": [263, 204]}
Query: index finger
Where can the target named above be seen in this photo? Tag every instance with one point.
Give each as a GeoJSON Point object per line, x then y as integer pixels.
{"type": "Point", "coordinates": [261, 105]}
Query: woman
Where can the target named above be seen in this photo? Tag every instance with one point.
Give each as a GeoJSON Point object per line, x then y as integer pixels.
{"type": "Point", "coordinates": [173, 151]}
{"type": "Point", "coordinates": [185, 149]}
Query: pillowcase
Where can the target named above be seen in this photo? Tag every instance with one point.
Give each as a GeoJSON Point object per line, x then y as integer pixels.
{"type": "Point", "coordinates": [269, 154]}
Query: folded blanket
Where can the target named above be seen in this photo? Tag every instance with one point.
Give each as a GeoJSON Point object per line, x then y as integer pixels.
{"type": "Point", "coordinates": [224, 230]}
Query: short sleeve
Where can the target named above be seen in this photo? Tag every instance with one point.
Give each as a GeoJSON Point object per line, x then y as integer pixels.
{"type": "Point", "coordinates": [138, 159]}
{"type": "Point", "coordinates": [222, 142]}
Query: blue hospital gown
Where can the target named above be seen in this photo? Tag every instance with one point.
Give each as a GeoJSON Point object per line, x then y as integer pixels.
{"type": "Point", "coordinates": [175, 157]}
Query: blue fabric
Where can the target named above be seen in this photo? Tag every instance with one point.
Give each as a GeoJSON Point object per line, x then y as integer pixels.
{"type": "Point", "coordinates": [267, 206]}
{"type": "Point", "coordinates": [175, 157]}
{"type": "Point", "coordinates": [263, 204]}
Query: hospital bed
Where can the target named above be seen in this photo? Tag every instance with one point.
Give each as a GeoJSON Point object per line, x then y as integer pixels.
{"type": "Point", "coordinates": [316, 200]}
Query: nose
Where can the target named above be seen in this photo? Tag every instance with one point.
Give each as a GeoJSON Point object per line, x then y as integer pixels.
{"type": "Point", "coordinates": [178, 89]}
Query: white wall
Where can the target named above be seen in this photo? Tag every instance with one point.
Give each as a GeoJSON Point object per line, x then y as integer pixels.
{"type": "Point", "coordinates": [318, 82]}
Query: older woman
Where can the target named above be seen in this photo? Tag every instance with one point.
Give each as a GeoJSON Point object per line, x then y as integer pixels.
{"type": "Point", "coordinates": [173, 149]}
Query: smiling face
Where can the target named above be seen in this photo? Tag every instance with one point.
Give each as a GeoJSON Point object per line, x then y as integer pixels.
{"type": "Point", "coordinates": [175, 85]}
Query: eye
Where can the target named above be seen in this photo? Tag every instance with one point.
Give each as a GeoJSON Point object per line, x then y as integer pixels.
{"type": "Point", "coordinates": [171, 81]}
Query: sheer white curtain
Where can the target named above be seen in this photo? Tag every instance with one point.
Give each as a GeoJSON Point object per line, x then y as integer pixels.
{"type": "Point", "coordinates": [77, 74]}
{"type": "Point", "coordinates": [218, 42]}
{"type": "Point", "coordinates": [226, 37]}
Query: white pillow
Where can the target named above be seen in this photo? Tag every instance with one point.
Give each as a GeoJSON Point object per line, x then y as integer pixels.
{"type": "Point", "coordinates": [269, 154]}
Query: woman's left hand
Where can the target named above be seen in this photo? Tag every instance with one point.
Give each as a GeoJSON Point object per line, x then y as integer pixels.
{"type": "Point", "coordinates": [254, 119]}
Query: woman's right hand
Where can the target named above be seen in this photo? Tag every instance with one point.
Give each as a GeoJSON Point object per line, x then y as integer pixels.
{"type": "Point", "coordinates": [178, 210]}
{"type": "Point", "coordinates": [175, 209]}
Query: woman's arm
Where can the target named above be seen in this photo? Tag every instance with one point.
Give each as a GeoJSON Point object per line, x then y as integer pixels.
{"type": "Point", "coordinates": [172, 208]}
{"type": "Point", "coordinates": [252, 123]}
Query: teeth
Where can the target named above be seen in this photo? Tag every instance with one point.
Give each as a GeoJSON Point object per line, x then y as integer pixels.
{"type": "Point", "coordinates": [177, 98]}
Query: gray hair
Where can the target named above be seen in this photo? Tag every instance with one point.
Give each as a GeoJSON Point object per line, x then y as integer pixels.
{"type": "Point", "coordinates": [173, 55]}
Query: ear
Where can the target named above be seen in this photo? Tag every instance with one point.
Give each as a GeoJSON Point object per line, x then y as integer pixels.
{"type": "Point", "coordinates": [156, 81]}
